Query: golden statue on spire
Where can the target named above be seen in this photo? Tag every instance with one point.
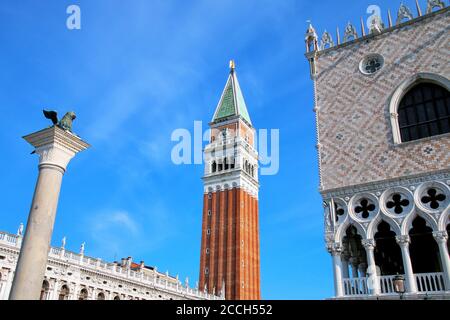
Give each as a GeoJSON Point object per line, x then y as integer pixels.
{"type": "Point", "coordinates": [232, 65]}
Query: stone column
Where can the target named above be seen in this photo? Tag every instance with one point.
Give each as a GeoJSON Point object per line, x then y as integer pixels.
{"type": "Point", "coordinates": [335, 250]}
{"type": "Point", "coordinates": [441, 239]}
{"type": "Point", "coordinates": [55, 147]}
{"type": "Point", "coordinates": [411, 285]}
{"type": "Point", "coordinates": [372, 273]}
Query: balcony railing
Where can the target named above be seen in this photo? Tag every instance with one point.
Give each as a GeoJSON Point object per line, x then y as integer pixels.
{"type": "Point", "coordinates": [426, 283]}
{"type": "Point", "coordinates": [430, 282]}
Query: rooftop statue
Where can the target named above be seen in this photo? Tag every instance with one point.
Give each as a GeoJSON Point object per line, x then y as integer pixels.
{"type": "Point", "coordinates": [65, 123]}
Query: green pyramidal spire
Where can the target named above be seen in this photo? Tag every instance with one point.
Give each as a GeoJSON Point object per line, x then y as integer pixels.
{"type": "Point", "coordinates": [232, 101]}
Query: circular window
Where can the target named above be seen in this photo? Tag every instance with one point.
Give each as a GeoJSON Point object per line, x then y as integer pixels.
{"type": "Point", "coordinates": [433, 197]}
{"type": "Point", "coordinates": [340, 210]}
{"type": "Point", "coordinates": [397, 201]}
{"type": "Point", "coordinates": [371, 64]}
{"type": "Point", "coordinates": [364, 206]}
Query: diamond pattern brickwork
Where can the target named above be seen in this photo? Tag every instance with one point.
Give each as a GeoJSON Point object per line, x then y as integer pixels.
{"type": "Point", "coordinates": [355, 134]}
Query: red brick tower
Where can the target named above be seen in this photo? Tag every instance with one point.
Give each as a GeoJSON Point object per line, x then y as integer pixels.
{"type": "Point", "coordinates": [230, 232]}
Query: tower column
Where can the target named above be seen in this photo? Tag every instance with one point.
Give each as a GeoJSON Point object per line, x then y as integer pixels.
{"type": "Point", "coordinates": [204, 244]}
{"type": "Point", "coordinates": [441, 239]}
{"type": "Point", "coordinates": [212, 243]}
{"type": "Point", "coordinates": [229, 285]}
{"type": "Point", "coordinates": [403, 242]}
{"type": "Point", "coordinates": [55, 148]}
{"type": "Point", "coordinates": [221, 249]}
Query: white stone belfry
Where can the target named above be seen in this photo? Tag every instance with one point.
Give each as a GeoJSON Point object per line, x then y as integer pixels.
{"type": "Point", "coordinates": [55, 147]}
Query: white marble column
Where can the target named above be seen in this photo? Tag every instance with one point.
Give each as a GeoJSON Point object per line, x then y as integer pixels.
{"type": "Point", "coordinates": [55, 147]}
{"type": "Point", "coordinates": [372, 272]}
{"type": "Point", "coordinates": [336, 250]}
{"type": "Point", "coordinates": [441, 239]}
{"type": "Point", "coordinates": [411, 285]}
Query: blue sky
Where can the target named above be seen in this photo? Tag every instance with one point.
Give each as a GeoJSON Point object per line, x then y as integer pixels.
{"type": "Point", "coordinates": [136, 71]}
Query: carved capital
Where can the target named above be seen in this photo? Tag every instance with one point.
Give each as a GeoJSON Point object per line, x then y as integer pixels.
{"type": "Point", "coordinates": [368, 244]}
{"type": "Point", "coordinates": [334, 248]}
{"type": "Point", "coordinates": [403, 240]}
{"type": "Point", "coordinates": [440, 236]}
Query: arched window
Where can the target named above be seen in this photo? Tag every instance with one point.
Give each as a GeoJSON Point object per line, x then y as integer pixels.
{"type": "Point", "coordinates": [424, 111]}
{"type": "Point", "coordinates": [225, 163]}
{"type": "Point", "coordinates": [64, 293]}
{"type": "Point", "coordinates": [44, 291]}
{"type": "Point", "coordinates": [101, 296]}
{"type": "Point", "coordinates": [83, 294]}
{"type": "Point", "coordinates": [116, 298]}
{"type": "Point", "coordinates": [214, 167]}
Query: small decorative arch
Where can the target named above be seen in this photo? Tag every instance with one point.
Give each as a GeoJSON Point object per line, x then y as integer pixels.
{"type": "Point", "coordinates": [404, 13]}
{"type": "Point", "coordinates": [64, 293]}
{"type": "Point", "coordinates": [373, 226]}
{"type": "Point", "coordinates": [340, 233]}
{"type": "Point", "coordinates": [407, 223]}
{"type": "Point", "coordinates": [432, 4]}
{"type": "Point", "coordinates": [402, 90]}
{"type": "Point", "coordinates": [327, 41]}
{"type": "Point", "coordinates": [44, 291]}
{"type": "Point", "coordinates": [84, 294]}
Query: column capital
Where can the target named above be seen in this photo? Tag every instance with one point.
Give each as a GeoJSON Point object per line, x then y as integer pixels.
{"type": "Point", "coordinates": [335, 248]}
{"type": "Point", "coordinates": [440, 236]}
{"type": "Point", "coordinates": [403, 240]}
{"type": "Point", "coordinates": [55, 146]}
{"type": "Point", "coordinates": [368, 244]}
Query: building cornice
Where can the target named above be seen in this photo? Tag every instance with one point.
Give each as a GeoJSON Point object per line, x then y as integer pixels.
{"type": "Point", "coordinates": [373, 36]}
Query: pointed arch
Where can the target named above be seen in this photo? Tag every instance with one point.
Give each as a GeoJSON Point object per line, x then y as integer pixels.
{"type": "Point", "coordinates": [340, 233]}
{"type": "Point", "coordinates": [403, 89]}
{"type": "Point", "coordinates": [373, 226]}
{"type": "Point", "coordinates": [407, 223]}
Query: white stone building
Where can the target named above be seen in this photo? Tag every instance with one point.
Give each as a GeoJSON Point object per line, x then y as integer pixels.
{"type": "Point", "coordinates": [382, 104]}
{"type": "Point", "coordinates": [74, 276]}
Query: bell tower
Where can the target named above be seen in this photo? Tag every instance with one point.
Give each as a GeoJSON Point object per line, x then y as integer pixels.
{"type": "Point", "coordinates": [230, 233]}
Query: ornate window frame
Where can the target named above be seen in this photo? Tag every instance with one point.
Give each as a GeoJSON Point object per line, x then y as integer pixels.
{"type": "Point", "coordinates": [400, 92]}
